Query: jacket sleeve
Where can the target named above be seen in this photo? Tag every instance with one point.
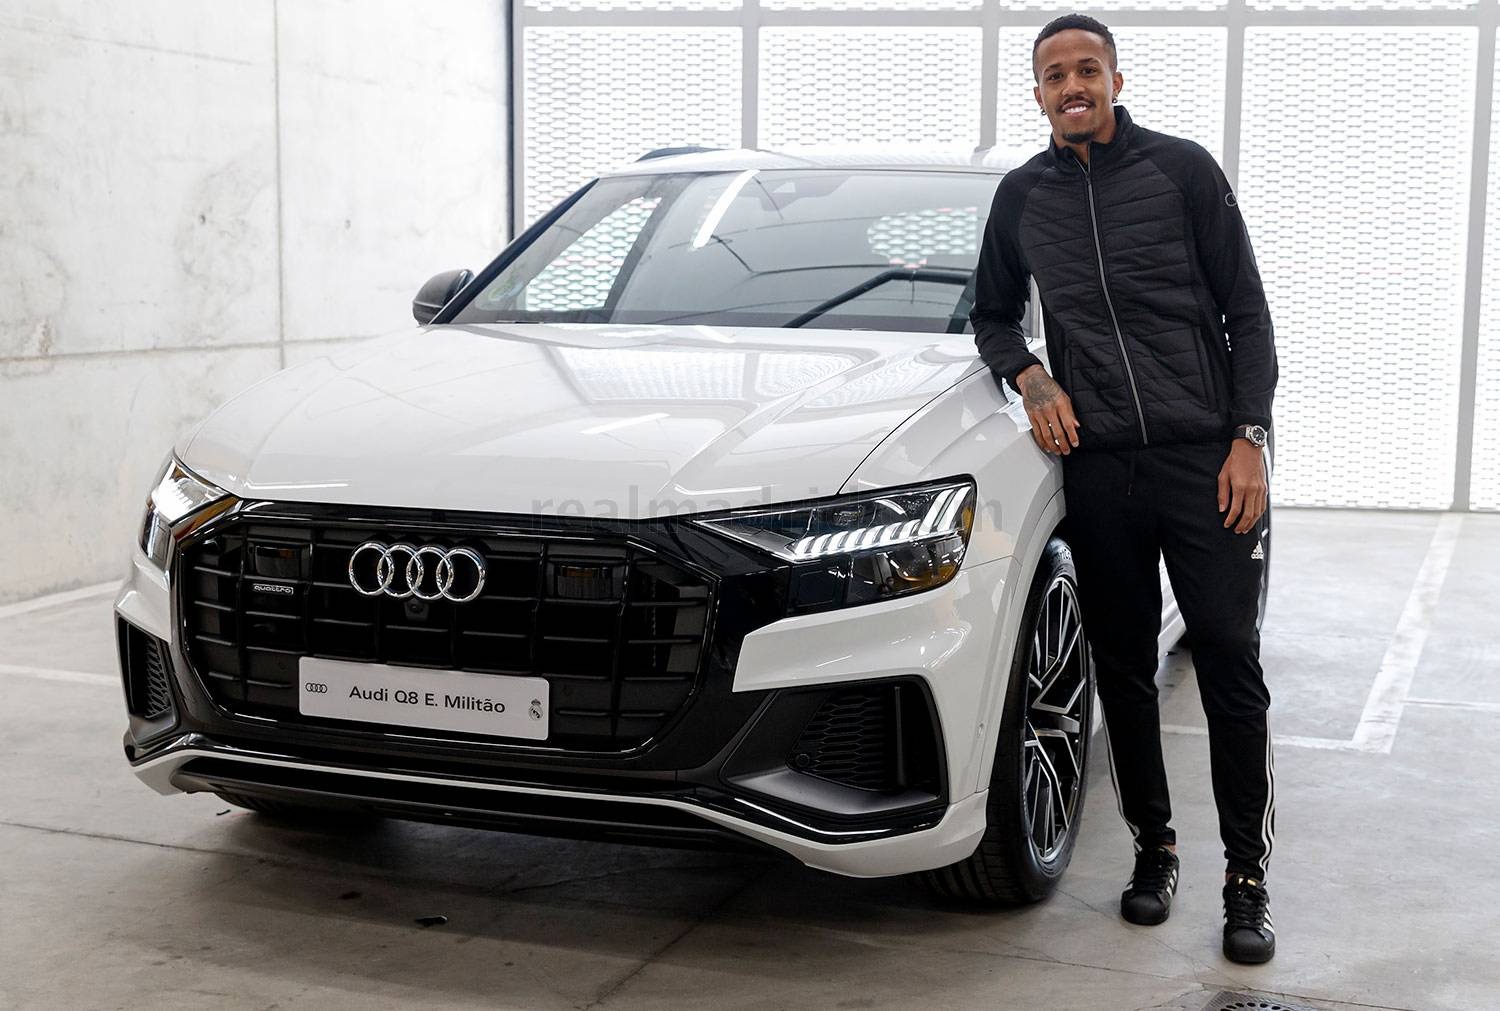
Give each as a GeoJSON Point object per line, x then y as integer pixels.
{"type": "Point", "coordinates": [1001, 288]}
{"type": "Point", "coordinates": [1233, 277]}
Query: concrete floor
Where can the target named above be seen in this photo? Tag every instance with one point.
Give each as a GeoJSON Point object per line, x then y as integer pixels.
{"type": "Point", "coordinates": [1382, 653]}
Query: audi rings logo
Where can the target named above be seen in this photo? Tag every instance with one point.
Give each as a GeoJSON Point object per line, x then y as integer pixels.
{"type": "Point", "coordinates": [427, 572]}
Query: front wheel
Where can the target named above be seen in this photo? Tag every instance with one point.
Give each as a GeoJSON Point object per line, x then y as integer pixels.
{"type": "Point", "coordinates": [1041, 759]}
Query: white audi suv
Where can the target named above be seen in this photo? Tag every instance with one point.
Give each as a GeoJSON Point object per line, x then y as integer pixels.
{"type": "Point", "coordinates": [694, 517]}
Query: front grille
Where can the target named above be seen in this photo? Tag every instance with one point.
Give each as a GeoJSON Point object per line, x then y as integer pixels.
{"type": "Point", "coordinates": [146, 673]}
{"type": "Point", "coordinates": [616, 629]}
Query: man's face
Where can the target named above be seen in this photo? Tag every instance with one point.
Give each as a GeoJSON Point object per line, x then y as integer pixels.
{"type": "Point", "coordinates": [1075, 84]}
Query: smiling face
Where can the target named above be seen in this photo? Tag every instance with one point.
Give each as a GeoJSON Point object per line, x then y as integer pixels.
{"type": "Point", "coordinates": [1076, 83]}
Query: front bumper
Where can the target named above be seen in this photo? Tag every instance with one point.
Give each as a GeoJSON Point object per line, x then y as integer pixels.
{"type": "Point", "coordinates": [727, 777]}
{"type": "Point", "coordinates": [192, 762]}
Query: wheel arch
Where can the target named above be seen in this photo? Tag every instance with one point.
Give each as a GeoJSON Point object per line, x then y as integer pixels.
{"type": "Point", "coordinates": [1022, 565]}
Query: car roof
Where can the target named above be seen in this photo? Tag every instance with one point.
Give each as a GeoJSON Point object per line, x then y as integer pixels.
{"type": "Point", "coordinates": [996, 160]}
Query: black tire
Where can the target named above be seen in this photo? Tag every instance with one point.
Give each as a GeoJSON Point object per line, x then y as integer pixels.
{"type": "Point", "coordinates": [301, 814]}
{"type": "Point", "coordinates": [1017, 861]}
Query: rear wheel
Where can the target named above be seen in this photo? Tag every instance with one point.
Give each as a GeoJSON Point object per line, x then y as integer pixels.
{"type": "Point", "coordinates": [1041, 760]}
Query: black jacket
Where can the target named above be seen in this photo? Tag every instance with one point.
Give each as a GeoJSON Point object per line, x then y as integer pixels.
{"type": "Point", "coordinates": [1157, 324]}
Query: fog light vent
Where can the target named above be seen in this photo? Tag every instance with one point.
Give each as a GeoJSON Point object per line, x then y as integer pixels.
{"type": "Point", "coordinates": [850, 740]}
{"type": "Point", "coordinates": [147, 673]}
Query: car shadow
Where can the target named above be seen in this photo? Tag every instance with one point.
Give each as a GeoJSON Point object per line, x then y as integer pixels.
{"type": "Point", "coordinates": [445, 908]}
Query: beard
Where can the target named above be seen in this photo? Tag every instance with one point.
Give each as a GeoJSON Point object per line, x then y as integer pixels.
{"type": "Point", "coordinates": [1080, 136]}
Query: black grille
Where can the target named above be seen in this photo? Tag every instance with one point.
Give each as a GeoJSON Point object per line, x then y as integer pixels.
{"type": "Point", "coordinates": [146, 673]}
{"type": "Point", "coordinates": [850, 740]}
{"type": "Point", "coordinates": [616, 629]}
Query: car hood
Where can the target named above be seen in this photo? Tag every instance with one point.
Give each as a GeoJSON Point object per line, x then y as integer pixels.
{"type": "Point", "coordinates": [606, 420]}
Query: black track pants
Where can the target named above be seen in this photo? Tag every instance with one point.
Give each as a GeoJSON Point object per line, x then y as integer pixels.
{"type": "Point", "coordinates": [1125, 510]}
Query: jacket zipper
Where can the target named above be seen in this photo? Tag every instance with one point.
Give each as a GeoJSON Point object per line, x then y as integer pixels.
{"type": "Point", "coordinates": [1140, 415]}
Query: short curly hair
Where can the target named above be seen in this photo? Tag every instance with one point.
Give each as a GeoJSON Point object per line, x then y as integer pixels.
{"type": "Point", "coordinates": [1081, 21]}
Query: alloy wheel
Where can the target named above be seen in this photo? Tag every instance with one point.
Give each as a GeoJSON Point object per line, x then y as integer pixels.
{"type": "Point", "coordinates": [1057, 716]}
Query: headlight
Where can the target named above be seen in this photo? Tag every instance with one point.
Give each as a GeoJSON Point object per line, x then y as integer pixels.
{"type": "Point", "coordinates": [860, 548]}
{"type": "Point", "coordinates": [178, 493]}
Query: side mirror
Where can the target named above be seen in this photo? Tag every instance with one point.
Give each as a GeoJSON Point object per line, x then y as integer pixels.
{"type": "Point", "coordinates": [438, 292]}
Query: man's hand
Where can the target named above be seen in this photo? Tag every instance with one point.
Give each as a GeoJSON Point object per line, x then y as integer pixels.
{"type": "Point", "coordinates": [1242, 486]}
{"type": "Point", "coordinates": [1053, 426]}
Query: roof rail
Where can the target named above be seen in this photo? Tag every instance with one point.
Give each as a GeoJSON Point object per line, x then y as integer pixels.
{"type": "Point", "coordinates": [666, 152]}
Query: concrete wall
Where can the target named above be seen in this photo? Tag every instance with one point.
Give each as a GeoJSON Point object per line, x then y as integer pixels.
{"type": "Point", "coordinates": [193, 195]}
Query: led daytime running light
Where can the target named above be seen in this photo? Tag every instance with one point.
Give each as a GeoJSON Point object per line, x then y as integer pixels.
{"type": "Point", "coordinates": [171, 502]}
{"type": "Point", "coordinates": [865, 537]}
{"type": "Point", "coordinates": [943, 516]}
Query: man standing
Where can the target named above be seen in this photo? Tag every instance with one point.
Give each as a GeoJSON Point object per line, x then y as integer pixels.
{"type": "Point", "coordinates": [1159, 404]}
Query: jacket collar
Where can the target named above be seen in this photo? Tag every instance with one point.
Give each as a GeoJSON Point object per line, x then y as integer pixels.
{"type": "Point", "coordinates": [1099, 153]}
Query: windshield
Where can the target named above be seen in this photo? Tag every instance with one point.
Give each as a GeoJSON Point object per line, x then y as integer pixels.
{"type": "Point", "coordinates": [878, 250]}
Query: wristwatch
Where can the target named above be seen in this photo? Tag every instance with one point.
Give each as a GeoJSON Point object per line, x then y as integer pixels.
{"type": "Point", "coordinates": [1253, 433]}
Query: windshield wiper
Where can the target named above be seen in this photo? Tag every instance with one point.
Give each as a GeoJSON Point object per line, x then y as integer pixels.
{"type": "Point", "coordinates": [942, 275]}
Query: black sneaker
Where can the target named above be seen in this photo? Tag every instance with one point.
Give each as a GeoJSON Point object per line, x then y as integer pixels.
{"type": "Point", "coordinates": [1248, 933]}
{"type": "Point", "coordinates": [1148, 898]}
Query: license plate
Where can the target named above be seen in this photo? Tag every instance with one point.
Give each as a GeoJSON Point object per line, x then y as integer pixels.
{"type": "Point", "coordinates": [497, 705]}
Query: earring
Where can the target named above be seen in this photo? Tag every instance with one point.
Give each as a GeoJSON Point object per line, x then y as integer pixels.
{"type": "Point", "coordinates": [1042, 111]}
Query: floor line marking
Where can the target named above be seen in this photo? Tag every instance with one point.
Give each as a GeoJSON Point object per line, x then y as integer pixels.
{"type": "Point", "coordinates": [52, 674]}
{"type": "Point", "coordinates": [1473, 707]}
{"type": "Point", "coordinates": [1382, 713]}
{"type": "Point", "coordinates": [1290, 740]}
{"type": "Point", "coordinates": [55, 599]}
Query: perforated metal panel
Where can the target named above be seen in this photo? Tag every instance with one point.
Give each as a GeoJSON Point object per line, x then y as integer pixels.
{"type": "Point", "coordinates": [599, 97]}
{"type": "Point", "coordinates": [1361, 246]}
{"type": "Point", "coordinates": [1361, 5]}
{"type": "Point", "coordinates": [1174, 82]}
{"type": "Point", "coordinates": [632, 5]}
{"type": "Point", "coordinates": [829, 84]}
{"type": "Point", "coordinates": [1097, 6]}
{"type": "Point", "coordinates": [1359, 231]}
{"type": "Point", "coordinates": [1484, 487]}
{"type": "Point", "coordinates": [869, 5]}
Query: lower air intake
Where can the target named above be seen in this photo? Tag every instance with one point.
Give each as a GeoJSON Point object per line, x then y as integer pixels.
{"type": "Point", "coordinates": [874, 737]}
{"type": "Point", "coordinates": [147, 673]}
